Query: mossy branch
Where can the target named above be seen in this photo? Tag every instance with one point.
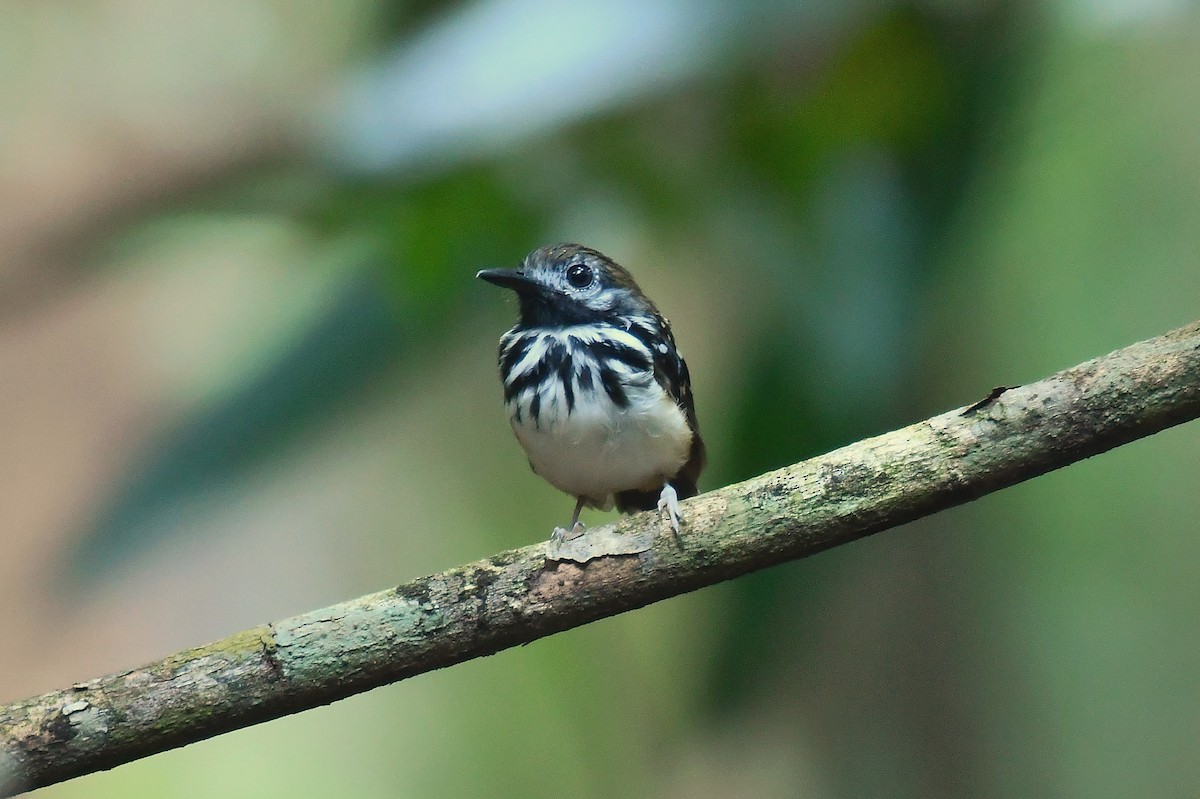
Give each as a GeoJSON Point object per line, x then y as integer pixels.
{"type": "Point", "coordinates": [522, 595]}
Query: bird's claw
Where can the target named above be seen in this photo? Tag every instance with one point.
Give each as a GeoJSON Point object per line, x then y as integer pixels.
{"type": "Point", "coordinates": [561, 534]}
{"type": "Point", "coordinates": [668, 504]}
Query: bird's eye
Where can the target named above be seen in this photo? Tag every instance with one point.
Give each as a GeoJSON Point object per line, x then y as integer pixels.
{"type": "Point", "coordinates": [579, 275]}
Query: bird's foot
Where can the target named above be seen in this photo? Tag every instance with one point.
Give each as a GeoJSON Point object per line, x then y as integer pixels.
{"type": "Point", "coordinates": [668, 504]}
{"type": "Point", "coordinates": [561, 534]}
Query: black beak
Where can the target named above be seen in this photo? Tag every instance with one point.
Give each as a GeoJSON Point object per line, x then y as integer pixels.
{"type": "Point", "coordinates": [513, 279]}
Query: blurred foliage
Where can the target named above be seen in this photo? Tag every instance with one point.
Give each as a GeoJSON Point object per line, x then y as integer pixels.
{"type": "Point", "coordinates": [433, 235]}
{"type": "Point", "coordinates": [866, 225]}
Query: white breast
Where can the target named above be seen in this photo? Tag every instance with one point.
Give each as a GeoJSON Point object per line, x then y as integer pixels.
{"type": "Point", "coordinates": [600, 448]}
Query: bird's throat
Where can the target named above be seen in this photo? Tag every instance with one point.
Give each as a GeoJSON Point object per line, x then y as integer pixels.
{"type": "Point", "coordinates": [551, 309]}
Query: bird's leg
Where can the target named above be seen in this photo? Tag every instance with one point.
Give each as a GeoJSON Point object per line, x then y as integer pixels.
{"type": "Point", "coordinates": [668, 503]}
{"type": "Point", "coordinates": [577, 527]}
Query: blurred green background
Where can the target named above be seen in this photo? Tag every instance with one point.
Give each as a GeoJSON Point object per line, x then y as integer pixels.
{"type": "Point", "coordinates": [245, 372]}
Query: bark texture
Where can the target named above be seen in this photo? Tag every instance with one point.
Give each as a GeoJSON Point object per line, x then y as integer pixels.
{"type": "Point", "coordinates": [522, 595]}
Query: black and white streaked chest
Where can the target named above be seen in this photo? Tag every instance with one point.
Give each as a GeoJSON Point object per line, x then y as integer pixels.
{"type": "Point", "coordinates": [591, 408]}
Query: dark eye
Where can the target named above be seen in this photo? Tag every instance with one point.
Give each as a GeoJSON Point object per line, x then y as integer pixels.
{"type": "Point", "coordinates": [579, 275]}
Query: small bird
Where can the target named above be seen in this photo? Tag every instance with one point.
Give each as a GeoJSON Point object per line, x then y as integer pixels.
{"type": "Point", "coordinates": [596, 392]}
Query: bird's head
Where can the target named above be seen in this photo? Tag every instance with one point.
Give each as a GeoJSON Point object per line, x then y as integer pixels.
{"type": "Point", "coordinates": [568, 284]}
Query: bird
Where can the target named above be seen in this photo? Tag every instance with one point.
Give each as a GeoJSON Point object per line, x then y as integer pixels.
{"type": "Point", "coordinates": [596, 391]}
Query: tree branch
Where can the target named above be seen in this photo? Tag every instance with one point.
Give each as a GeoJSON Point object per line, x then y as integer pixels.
{"type": "Point", "coordinates": [520, 596]}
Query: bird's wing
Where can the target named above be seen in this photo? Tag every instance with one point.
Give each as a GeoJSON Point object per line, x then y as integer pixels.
{"type": "Point", "coordinates": [671, 372]}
